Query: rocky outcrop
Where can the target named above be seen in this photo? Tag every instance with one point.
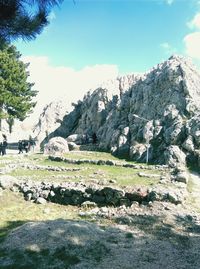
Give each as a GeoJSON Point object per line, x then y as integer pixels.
{"type": "Point", "coordinates": [49, 120]}
{"type": "Point", "coordinates": [155, 113]}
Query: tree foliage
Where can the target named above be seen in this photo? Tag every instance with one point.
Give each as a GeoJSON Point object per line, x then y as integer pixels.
{"type": "Point", "coordinates": [16, 94]}
{"type": "Point", "coordinates": [23, 18]}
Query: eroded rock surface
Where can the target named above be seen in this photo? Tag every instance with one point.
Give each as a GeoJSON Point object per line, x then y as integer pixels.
{"type": "Point", "coordinates": [158, 111]}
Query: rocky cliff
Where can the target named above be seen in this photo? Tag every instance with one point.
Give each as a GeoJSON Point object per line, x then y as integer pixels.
{"type": "Point", "coordinates": [157, 111]}
{"type": "Point", "coordinates": [49, 120]}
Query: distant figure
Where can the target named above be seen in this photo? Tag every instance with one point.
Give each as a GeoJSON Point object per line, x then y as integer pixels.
{"type": "Point", "coordinates": [94, 138]}
{"type": "Point", "coordinates": [25, 144]}
{"type": "Point", "coordinates": [31, 143]}
{"type": "Point", "coordinates": [1, 147]}
{"type": "Point", "coordinates": [86, 138]}
{"type": "Point", "coordinates": [4, 144]}
{"type": "Point", "coordinates": [20, 147]}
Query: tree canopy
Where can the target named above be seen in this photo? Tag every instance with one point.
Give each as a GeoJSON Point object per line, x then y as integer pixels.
{"type": "Point", "coordinates": [23, 18]}
{"type": "Point", "coordinates": [16, 94]}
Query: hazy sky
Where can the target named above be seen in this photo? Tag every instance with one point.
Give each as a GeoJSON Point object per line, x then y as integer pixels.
{"type": "Point", "coordinates": [90, 41]}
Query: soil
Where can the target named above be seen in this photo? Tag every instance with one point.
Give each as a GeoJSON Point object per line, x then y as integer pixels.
{"type": "Point", "coordinates": [154, 236]}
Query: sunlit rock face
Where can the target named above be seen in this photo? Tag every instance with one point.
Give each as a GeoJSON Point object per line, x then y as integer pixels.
{"type": "Point", "coordinates": [160, 109]}
{"type": "Point", "coordinates": [49, 120]}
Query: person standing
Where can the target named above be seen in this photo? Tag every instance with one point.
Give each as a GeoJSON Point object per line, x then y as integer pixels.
{"type": "Point", "coordinates": [1, 147]}
{"type": "Point", "coordinates": [4, 145]}
{"type": "Point", "coordinates": [20, 147]}
{"type": "Point", "coordinates": [94, 138]}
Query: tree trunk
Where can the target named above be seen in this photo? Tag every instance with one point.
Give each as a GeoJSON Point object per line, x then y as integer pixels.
{"type": "Point", "coordinates": [10, 122]}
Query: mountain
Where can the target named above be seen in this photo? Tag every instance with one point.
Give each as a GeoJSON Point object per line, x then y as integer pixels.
{"type": "Point", "coordinates": [157, 111]}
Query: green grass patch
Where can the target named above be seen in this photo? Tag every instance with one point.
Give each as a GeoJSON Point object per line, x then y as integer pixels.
{"type": "Point", "coordinates": [90, 155]}
{"type": "Point", "coordinates": [15, 211]}
{"type": "Point", "coordinates": [123, 176]}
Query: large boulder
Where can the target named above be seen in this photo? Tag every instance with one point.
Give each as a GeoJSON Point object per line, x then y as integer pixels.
{"type": "Point", "coordinates": [8, 182]}
{"type": "Point", "coordinates": [56, 145]}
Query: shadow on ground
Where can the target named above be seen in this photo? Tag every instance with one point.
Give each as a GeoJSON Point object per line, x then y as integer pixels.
{"type": "Point", "coordinates": [146, 243]}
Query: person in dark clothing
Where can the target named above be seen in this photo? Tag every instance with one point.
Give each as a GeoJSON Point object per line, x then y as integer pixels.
{"type": "Point", "coordinates": [4, 146]}
{"type": "Point", "coordinates": [1, 147]}
{"type": "Point", "coordinates": [86, 138]}
{"type": "Point", "coordinates": [25, 144]}
{"type": "Point", "coordinates": [20, 147]}
{"type": "Point", "coordinates": [94, 138]}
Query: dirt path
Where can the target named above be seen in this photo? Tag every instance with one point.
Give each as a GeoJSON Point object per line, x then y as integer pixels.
{"type": "Point", "coordinates": [194, 191]}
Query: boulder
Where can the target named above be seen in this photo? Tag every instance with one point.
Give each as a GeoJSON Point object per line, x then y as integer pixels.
{"type": "Point", "coordinates": [56, 145]}
{"type": "Point", "coordinates": [174, 156]}
{"type": "Point", "coordinates": [8, 182]}
{"type": "Point", "coordinates": [73, 146]}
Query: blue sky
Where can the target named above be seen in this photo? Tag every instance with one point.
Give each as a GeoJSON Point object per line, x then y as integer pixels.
{"type": "Point", "coordinates": [89, 38]}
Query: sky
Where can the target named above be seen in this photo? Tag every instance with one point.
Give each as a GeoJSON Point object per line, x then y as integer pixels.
{"type": "Point", "coordinates": [89, 41]}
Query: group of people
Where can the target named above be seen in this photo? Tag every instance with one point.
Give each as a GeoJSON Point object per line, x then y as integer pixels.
{"type": "Point", "coordinates": [26, 145]}
{"type": "Point", "coordinates": [3, 145]}
{"type": "Point", "coordinates": [23, 145]}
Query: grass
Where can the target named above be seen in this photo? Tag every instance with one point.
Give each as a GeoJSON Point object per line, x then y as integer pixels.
{"type": "Point", "coordinates": [88, 155]}
{"type": "Point", "coordinates": [193, 199]}
{"type": "Point", "coordinates": [121, 175]}
{"type": "Point", "coordinates": [15, 211]}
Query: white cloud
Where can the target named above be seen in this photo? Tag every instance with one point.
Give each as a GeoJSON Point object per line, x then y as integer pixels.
{"type": "Point", "coordinates": [168, 49]}
{"type": "Point", "coordinates": [169, 2]}
{"type": "Point", "coordinates": [195, 22]}
{"type": "Point", "coordinates": [165, 45]}
{"type": "Point", "coordinates": [192, 40]}
{"type": "Point", "coordinates": [51, 16]}
{"type": "Point", "coordinates": [192, 45]}
{"type": "Point", "coordinates": [65, 83]}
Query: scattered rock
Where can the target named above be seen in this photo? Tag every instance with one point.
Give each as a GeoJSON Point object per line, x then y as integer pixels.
{"type": "Point", "coordinates": [89, 204]}
{"type": "Point", "coordinates": [41, 201]}
{"type": "Point", "coordinates": [72, 146]}
{"type": "Point", "coordinates": [141, 174]}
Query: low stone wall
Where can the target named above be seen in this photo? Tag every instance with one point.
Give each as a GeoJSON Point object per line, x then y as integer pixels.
{"type": "Point", "coordinates": [79, 193]}
{"type": "Point", "coordinates": [108, 162]}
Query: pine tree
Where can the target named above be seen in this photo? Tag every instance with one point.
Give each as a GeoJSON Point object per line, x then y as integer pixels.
{"type": "Point", "coordinates": [23, 18]}
{"type": "Point", "coordinates": [15, 91]}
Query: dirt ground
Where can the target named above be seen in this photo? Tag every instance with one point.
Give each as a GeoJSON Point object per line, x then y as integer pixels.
{"type": "Point", "coordinates": [160, 235]}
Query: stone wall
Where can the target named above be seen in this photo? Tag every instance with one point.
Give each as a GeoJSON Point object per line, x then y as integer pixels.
{"type": "Point", "coordinates": [81, 193]}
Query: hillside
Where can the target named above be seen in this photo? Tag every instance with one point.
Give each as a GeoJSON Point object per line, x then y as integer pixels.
{"type": "Point", "coordinates": [159, 108]}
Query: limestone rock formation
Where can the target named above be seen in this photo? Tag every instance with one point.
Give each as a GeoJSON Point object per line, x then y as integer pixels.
{"type": "Point", "coordinates": [49, 120]}
{"type": "Point", "coordinates": [157, 111]}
